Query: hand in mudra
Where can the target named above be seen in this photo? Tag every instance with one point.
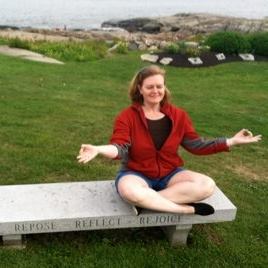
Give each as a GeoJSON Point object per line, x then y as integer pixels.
{"type": "Point", "coordinates": [244, 136]}
{"type": "Point", "coordinates": [87, 153]}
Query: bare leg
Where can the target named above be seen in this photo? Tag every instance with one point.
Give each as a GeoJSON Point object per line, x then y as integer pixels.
{"type": "Point", "coordinates": [188, 186]}
{"type": "Point", "coordinates": [135, 191]}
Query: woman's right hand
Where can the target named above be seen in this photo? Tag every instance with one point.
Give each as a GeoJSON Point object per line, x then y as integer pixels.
{"type": "Point", "coordinates": [87, 153]}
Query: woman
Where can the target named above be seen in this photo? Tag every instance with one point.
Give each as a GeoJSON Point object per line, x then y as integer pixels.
{"type": "Point", "coordinates": [146, 138]}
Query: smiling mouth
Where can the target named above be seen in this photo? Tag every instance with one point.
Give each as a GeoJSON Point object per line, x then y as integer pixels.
{"type": "Point", "coordinates": [154, 96]}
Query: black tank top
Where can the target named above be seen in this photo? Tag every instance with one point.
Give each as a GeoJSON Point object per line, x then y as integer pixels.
{"type": "Point", "coordinates": [159, 130]}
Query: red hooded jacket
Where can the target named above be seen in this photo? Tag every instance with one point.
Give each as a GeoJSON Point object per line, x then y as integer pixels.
{"type": "Point", "coordinates": [131, 129]}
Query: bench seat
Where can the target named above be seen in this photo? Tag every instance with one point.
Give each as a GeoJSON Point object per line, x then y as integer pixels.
{"type": "Point", "coordinates": [91, 205]}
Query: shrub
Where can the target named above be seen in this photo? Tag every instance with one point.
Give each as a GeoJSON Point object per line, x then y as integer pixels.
{"type": "Point", "coordinates": [182, 47]}
{"type": "Point", "coordinates": [193, 51]}
{"type": "Point", "coordinates": [18, 43]}
{"type": "Point", "coordinates": [3, 41]}
{"type": "Point", "coordinates": [71, 50]}
{"type": "Point", "coordinates": [259, 43]}
{"type": "Point", "coordinates": [204, 49]}
{"type": "Point", "coordinates": [172, 48]}
{"type": "Point", "coordinates": [199, 38]}
{"type": "Point", "coordinates": [122, 47]}
{"type": "Point", "coordinates": [228, 43]}
{"type": "Point", "coordinates": [175, 48]}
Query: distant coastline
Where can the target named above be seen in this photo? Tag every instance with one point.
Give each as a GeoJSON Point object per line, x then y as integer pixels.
{"type": "Point", "coordinates": [88, 15]}
{"type": "Point", "coordinates": [144, 33]}
{"type": "Point", "coordinates": [168, 28]}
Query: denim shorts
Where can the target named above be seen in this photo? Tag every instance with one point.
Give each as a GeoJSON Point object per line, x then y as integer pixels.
{"type": "Point", "coordinates": [156, 184]}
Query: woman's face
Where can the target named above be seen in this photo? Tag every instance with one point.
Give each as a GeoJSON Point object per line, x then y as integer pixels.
{"type": "Point", "coordinates": [153, 89]}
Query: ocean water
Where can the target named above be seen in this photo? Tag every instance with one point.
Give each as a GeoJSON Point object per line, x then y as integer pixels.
{"type": "Point", "coordinates": [88, 14]}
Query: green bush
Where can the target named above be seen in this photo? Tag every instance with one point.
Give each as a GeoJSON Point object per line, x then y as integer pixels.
{"type": "Point", "coordinates": [182, 47]}
{"type": "Point", "coordinates": [122, 47]}
{"type": "Point", "coordinates": [204, 49]}
{"type": "Point", "coordinates": [259, 43]}
{"type": "Point", "coordinates": [172, 48]}
{"type": "Point", "coordinates": [199, 38]}
{"type": "Point", "coordinates": [3, 41]}
{"type": "Point", "coordinates": [228, 43]}
{"type": "Point", "coordinates": [18, 43]}
{"type": "Point", "coordinates": [71, 50]}
{"type": "Point", "coordinates": [193, 51]}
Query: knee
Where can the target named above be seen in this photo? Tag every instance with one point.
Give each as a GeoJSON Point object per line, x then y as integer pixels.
{"type": "Point", "coordinates": [208, 186]}
{"type": "Point", "coordinates": [130, 194]}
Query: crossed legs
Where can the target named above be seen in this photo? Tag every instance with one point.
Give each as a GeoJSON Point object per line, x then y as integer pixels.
{"type": "Point", "coordinates": [184, 187]}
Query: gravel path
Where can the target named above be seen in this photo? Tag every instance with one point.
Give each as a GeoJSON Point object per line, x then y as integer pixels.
{"type": "Point", "coordinates": [26, 54]}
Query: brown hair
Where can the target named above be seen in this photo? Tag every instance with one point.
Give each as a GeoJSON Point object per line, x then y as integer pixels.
{"type": "Point", "coordinates": [137, 81]}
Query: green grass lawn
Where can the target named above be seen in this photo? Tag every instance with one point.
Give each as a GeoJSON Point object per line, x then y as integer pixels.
{"type": "Point", "coordinates": [48, 111]}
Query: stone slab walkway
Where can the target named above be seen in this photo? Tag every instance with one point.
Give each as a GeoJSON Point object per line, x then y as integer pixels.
{"type": "Point", "coordinates": [26, 54]}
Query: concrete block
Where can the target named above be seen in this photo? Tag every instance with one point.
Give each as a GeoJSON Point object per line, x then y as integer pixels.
{"type": "Point", "coordinates": [177, 235]}
{"type": "Point", "coordinates": [247, 57]}
{"type": "Point", "coordinates": [220, 56]}
{"type": "Point", "coordinates": [166, 61]}
{"type": "Point", "coordinates": [195, 61]}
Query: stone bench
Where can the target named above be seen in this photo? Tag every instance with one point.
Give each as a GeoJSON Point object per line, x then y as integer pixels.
{"type": "Point", "coordinates": [77, 206]}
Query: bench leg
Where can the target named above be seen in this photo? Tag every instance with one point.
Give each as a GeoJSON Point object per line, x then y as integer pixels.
{"type": "Point", "coordinates": [13, 241]}
{"type": "Point", "coordinates": [177, 234]}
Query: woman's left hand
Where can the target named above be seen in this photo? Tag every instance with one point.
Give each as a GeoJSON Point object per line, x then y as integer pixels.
{"type": "Point", "coordinates": [244, 136]}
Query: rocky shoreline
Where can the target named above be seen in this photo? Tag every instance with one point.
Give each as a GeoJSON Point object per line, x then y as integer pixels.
{"type": "Point", "coordinates": [142, 33]}
{"type": "Point", "coordinates": [189, 24]}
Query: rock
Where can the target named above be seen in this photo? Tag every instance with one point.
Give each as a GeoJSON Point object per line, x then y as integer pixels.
{"type": "Point", "coordinates": [148, 42]}
{"type": "Point", "coordinates": [163, 44]}
{"type": "Point", "coordinates": [8, 27]}
{"type": "Point", "coordinates": [153, 48]}
{"type": "Point", "coordinates": [149, 57]}
{"type": "Point", "coordinates": [190, 24]}
{"type": "Point", "coordinates": [133, 46]}
{"type": "Point", "coordinates": [111, 23]}
{"type": "Point", "coordinates": [141, 45]}
{"type": "Point", "coordinates": [131, 25]}
{"type": "Point", "coordinates": [166, 61]}
{"type": "Point", "coordinates": [152, 27]}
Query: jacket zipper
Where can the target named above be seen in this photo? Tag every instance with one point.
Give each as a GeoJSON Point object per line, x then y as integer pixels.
{"type": "Point", "coordinates": [158, 165]}
{"type": "Point", "coordinates": [142, 115]}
